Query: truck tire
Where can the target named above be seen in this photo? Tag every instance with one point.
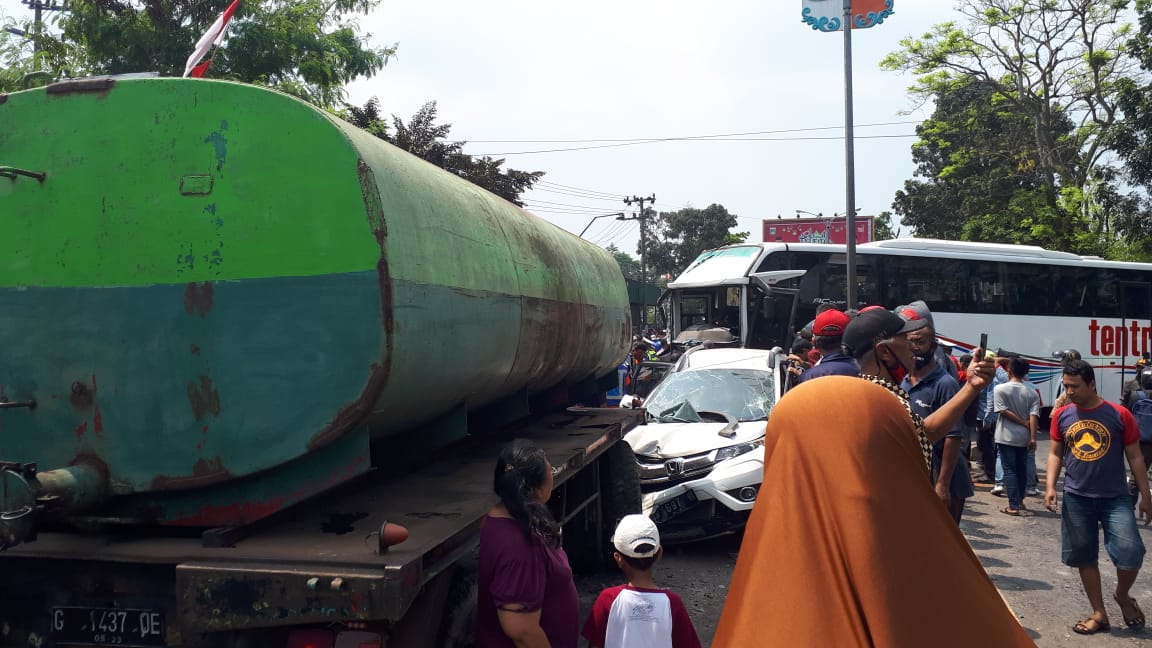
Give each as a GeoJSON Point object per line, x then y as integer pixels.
{"type": "Point", "coordinates": [619, 488]}
{"type": "Point", "coordinates": [588, 538]}
{"type": "Point", "coordinates": [458, 629]}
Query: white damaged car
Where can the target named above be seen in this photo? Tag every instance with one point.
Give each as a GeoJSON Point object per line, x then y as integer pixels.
{"type": "Point", "coordinates": [701, 450]}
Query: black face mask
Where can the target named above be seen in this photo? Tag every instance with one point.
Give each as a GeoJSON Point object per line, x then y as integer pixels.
{"type": "Point", "coordinates": [923, 360]}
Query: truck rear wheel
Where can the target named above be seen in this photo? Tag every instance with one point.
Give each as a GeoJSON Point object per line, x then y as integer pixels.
{"type": "Point", "coordinates": [619, 487]}
{"type": "Point", "coordinates": [458, 629]}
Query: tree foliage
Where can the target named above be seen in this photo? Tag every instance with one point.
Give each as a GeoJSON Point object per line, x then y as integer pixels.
{"type": "Point", "coordinates": [424, 138]}
{"type": "Point", "coordinates": [30, 59]}
{"type": "Point", "coordinates": [675, 239]}
{"type": "Point", "coordinates": [629, 266]}
{"type": "Point", "coordinates": [981, 178]}
{"type": "Point", "coordinates": [1132, 140]}
{"type": "Point", "coordinates": [882, 227]}
{"type": "Point", "coordinates": [15, 56]}
{"type": "Point", "coordinates": [1047, 72]}
{"type": "Point", "coordinates": [308, 48]}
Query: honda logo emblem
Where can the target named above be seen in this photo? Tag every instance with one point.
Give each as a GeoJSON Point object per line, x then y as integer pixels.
{"type": "Point", "coordinates": [674, 467]}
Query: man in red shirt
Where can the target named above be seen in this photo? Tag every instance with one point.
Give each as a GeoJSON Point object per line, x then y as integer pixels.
{"type": "Point", "coordinates": [1091, 438]}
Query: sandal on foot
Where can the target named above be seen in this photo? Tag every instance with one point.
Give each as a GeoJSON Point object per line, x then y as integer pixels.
{"type": "Point", "coordinates": [1084, 627]}
{"type": "Point", "coordinates": [1008, 511]}
{"type": "Point", "coordinates": [1136, 621]}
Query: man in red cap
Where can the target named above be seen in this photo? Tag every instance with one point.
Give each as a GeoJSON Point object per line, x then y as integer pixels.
{"type": "Point", "coordinates": [827, 331]}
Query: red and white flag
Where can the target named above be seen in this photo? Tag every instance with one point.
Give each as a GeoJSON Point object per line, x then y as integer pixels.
{"type": "Point", "coordinates": [210, 39]}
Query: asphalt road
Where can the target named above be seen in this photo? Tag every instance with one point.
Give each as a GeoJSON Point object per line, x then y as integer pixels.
{"type": "Point", "coordinates": [1022, 555]}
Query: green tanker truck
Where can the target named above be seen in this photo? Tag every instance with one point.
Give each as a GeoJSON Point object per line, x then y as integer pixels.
{"type": "Point", "coordinates": [238, 338]}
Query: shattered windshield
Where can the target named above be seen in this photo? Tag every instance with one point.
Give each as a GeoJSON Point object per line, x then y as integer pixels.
{"type": "Point", "coordinates": [744, 394]}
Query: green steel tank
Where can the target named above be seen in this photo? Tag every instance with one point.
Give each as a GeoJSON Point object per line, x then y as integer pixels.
{"type": "Point", "coordinates": [217, 300]}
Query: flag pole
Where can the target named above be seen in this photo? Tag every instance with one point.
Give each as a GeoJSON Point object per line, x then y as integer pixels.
{"type": "Point", "coordinates": [849, 164]}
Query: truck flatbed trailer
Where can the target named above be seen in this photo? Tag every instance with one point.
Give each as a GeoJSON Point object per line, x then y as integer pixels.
{"type": "Point", "coordinates": [320, 562]}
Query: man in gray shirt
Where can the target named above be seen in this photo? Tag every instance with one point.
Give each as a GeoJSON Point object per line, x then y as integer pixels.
{"type": "Point", "coordinates": [1018, 407]}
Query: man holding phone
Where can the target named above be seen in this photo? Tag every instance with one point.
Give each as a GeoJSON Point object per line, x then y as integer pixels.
{"type": "Point", "coordinates": [929, 388]}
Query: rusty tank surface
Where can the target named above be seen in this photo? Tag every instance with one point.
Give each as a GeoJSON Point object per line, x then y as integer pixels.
{"type": "Point", "coordinates": [217, 300]}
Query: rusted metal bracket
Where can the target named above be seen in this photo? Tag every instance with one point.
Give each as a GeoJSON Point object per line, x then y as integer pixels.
{"type": "Point", "coordinates": [17, 525]}
{"type": "Point", "coordinates": [13, 172]}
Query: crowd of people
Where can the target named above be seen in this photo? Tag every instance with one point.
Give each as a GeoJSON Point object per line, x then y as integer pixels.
{"type": "Point", "coordinates": [846, 563]}
{"type": "Point", "coordinates": [1092, 440]}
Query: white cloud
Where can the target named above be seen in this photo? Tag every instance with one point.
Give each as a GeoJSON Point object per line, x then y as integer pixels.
{"type": "Point", "coordinates": [641, 68]}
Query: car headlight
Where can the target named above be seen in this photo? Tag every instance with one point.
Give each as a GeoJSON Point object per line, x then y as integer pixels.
{"type": "Point", "coordinates": [737, 450]}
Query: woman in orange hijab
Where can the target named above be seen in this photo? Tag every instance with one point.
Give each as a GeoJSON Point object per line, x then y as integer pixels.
{"type": "Point", "coordinates": [848, 544]}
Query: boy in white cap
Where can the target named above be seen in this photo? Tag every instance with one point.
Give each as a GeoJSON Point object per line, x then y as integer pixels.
{"type": "Point", "coordinates": [638, 614]}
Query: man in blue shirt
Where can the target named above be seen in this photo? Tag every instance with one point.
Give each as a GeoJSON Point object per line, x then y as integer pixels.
{"type": "Point", "coordinates": [828, 330]}
{"type": "Point", "coordinates": [929, 386]}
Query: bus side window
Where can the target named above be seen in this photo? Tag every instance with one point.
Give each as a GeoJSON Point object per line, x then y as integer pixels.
{"type": "Point", "coordinates": [1069, 290]}
{"type": "Point", "coordinates": [988, 288]}
{"type": "Point", "coordinates": [1027, 289]}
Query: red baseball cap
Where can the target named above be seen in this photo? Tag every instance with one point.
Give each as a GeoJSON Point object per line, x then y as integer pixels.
{"type": "Point", "coordinates": [830, 323]}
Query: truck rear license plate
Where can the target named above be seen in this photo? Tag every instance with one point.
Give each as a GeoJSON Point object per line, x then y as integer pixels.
{"type": "Point", "coordinates": [92, 626]}
{"type": "Point", "coordinates": [674, 507]}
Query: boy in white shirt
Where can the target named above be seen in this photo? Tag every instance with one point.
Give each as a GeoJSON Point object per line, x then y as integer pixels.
{"type": "Point", "coordinates": [638, 614]}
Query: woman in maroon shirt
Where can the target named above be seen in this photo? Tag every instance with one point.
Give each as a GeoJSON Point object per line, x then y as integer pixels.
{"type": "Point", "coordinates": [526, 597]}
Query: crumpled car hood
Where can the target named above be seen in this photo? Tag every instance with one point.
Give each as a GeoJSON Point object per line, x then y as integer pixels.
{"type": "Point", "coordinates": [667, 440]}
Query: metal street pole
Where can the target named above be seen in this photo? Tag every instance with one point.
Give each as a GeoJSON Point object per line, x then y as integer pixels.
{"type": "Point", "coordinates": [849, 162]}
{"type": "Point", "coordinates": [585, 230]}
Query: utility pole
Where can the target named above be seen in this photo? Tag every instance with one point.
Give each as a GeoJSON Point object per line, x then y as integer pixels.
{"type": "Point", "coordinates": [849, 163]}
{"type": "Point", "coordinates": [39, 7]}
{"type": "Point", "coordinates": [642, 217]}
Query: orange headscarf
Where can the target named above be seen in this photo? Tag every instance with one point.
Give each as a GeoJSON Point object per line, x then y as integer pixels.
{"type": "Point", "coordinates": [848, 544]}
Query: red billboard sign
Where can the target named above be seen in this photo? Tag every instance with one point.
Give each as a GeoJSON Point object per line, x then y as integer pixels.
{"type": "Point", "coordinates": [815, 230]}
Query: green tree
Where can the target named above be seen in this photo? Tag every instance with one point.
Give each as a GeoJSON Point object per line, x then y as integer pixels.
{"type": "Point", "coordinates": [1132, 140]}
{"type": "Point", "coordinates": [424, 138]}
{"type": "Point", "coordinates": [676, 238]}
{"type": "Point", "coordinates": [15, 56]}
{"type": "Point", "coordinates": [1053, 62]}
{"type": "Point", "coordinates": [882, 227]}
{"type": "Point", "coordinates": [308, 48]}
{"type": "Point", "coordinates": [629, 266]}
{"type": "Point", "coordinates": [980, 176]}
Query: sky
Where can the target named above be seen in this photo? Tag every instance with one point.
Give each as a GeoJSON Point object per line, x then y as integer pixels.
{"type": "Point", "coordinates": [515, 76]}
{"type": "Point", "coordinates": [540, 72]}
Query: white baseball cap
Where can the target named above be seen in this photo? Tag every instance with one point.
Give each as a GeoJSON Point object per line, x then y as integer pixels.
{"type": "Point", "coordinates": [636, 536]}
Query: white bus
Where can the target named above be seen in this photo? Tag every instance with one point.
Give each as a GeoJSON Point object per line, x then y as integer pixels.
{"type": "Point", "coordinates": [1029, 300]}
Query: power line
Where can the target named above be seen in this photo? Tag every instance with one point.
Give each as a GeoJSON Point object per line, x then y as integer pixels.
{"type": "Point", "coordinates": [607, 194]}
{"type": "Point", "coordinates": [576, 195]}
{"type": "Point", "coordinates": [616, 237]}
{"type": "Point", "coordinates": [692, 139]}
{"type": "Point", "coordinates": [610, 233]}
{"type": "Point", "coordinates": [550, 210]}
{"type": "Point", "coordinates": [648, 139]}
{"type": "Point", "coordinates": [547, 202]}
{"type": "Point", "coordinates": [573, 209]}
